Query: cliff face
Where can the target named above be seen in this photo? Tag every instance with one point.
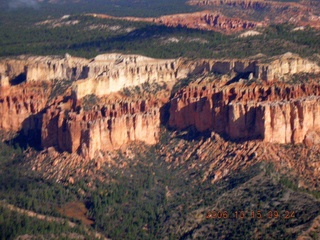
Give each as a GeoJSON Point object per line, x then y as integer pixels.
{"type": "Point", "coordinates": [111, 72]}
{"type": "Point", "coordinates": [101, 75]}
{"type": "Point", "coordinates": [102, 129]}
{"type": "Point", "coordinates": [286, 64]}
{"type": "Point", "coordinates": [62, 122]}
{"type": "Point", "coordinates": [255, 4]}
{"type": "Point", "coordinates": [206, 20]}
{"type": "Point", "coordinates": [299, 13]}
{"type": "Point", "coordinates": [276, 114]}
{"type": "Point", "coordinates": [33, 69]}
{"type": "Point", "coordinates": [248, 4]}
{"type": "Point", "coordinates": [29, 100]}
{"type": "Point", "coordinates": [19, 107]}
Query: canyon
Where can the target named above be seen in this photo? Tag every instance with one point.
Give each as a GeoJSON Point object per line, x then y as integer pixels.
{"type": "Point", "coordinates": [93, 114]}
{"type": "Point", "coordinates": [300, 13]}
{"type": "Point", "coordinates": [245, 4]}
{"type": "Point", "coordinates": [204, 20]}
{"type": "Point", "coordinates": [227, 16]}
{"type": "Point", "coordinates": [274, 113]}
{"type": "Point", "coordinates": [122, 145]}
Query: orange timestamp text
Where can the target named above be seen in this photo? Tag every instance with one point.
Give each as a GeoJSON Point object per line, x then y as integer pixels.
{"type": "Point", "coordinates": [256, 214]}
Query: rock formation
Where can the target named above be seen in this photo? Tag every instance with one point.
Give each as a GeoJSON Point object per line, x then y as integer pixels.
{"type": "Point", "coordinates": [255, 4]}
{"type": "Point", "coordinates": [102, 129]}
{"type": "Point", "coordinates": [111, 72]}
{"type": "Point", "coordinates": [206, 20]}
{"type": "Point", "coordinates": [30, 100]}
{"type": "Point", "coordinates": [284, 65]}
{"type": "Point", "coordinates": [299, 13]}
{"type": "Point", "coordinates": [19, 107]}
{"type": "Point", "coordinates": [31, 69]}
{"type": "Point", "coordinates": [247, 4]}
{"type": "Point", "coordinates": [274, 113]}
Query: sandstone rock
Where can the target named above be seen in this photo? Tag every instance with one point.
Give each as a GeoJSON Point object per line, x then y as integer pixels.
{"type": "Point", "coordinates": [111, 72]}
{"type": "Point", "coordinates": [71, 180]}
{"type": "Point", "coordinates": [104, 129]}
{"type": "Point", "coordinates": [247, 4]}
{"type": "Point", "coordinates": [312, 138]}
{"type": "Point", "coordinates": [275, 113]}
{"type": "Point", "coordinates": [206, 20]}
{"type": "Point", "coordinates": [17, 104]}
{"type": "Point", "coordinates": [108, 73]}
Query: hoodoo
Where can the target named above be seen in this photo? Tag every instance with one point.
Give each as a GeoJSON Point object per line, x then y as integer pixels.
{"type": "Point", "coordinates": [48, 98]}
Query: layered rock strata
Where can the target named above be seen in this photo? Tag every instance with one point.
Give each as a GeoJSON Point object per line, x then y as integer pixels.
{"type": "Point", "coordinates": [111, 72]}
{"type": "Point", "coordinates": [206, 20]}
{"type": "Point", "coordinates": [248, 4]}
{"type": "Point", "coordinates": [104, 128]}
{"type": "Point", "coordinates": [19, 107]}
{"type": "Point", "coordinates": [299, 13]}
{"type": "Point", "coordinates": [274, 113]}
{"type": "Point", "coordinates": [67, 127]}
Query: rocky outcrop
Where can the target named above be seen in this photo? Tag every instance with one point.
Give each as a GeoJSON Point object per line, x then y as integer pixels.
{"type": "Point", "coordinates": [109, 73]}
{"type": "Point", "coordinates": [102, 75]}
{"type": "Point", "coordinates": [104, 128]}
{"type": "Point", "coordinates": [38, 68]}
{"type": "Point", "coordinates": [29, 100]}
{"type": "Point", "coordinates": [206, 20]}
{"type": "Point", "coordinates": [299, 13]}
{"type": "Point", "coordinates": [221, 22]}
{"type": "Point", "coordinates": [112, 72]}
{"type": "Point", "coordinates": [255, 4]}
{"type": "Point", "coordinates": [284, 65]}
{"type": "Point", "coordinates": [19, 107]}
{"type": "Point", "coordinates": [245, 4]}
{"type": "Point", "coordinates": [274, 113]}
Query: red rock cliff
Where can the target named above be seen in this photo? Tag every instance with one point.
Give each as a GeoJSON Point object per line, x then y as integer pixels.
{"type": "Point", "coordinates": [275, 113]}
{"type": "Point", "coordinates": [104, 128]}
{"type": "Point", "coordinates": [19, 106]}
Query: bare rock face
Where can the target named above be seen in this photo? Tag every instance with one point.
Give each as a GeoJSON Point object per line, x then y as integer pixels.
{"type": "Point", "coordinates": [109, 73]}
{"type": "Point", "coordinates": [206, 20]}
{"type": "Point", "coordinates": [275, 113]}
{"type": "Point", "coordinates": [112, 72]}
{"type": "Point", "coordinates": [284, 65]}
{"type": "Point", "coordinates": [39, 68]}
{"type": "Point", "coordinates": [299, 13]}
{"type": "Point", "coordinates": [19, 107]}
{"type": "Point", "coordinates": [254, 4]}
{"type": "Point", "coordinates": [102, 129]}
{"type": "Point", "coordinates": [312, 138]}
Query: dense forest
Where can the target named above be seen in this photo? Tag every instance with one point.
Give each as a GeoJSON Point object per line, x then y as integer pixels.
{"type": "Point", "coordinates": [150, 199]}
{"type": "Point", "coordinates": [86, 36]}
{"type": "Point", "coordinates": [138, 8]}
